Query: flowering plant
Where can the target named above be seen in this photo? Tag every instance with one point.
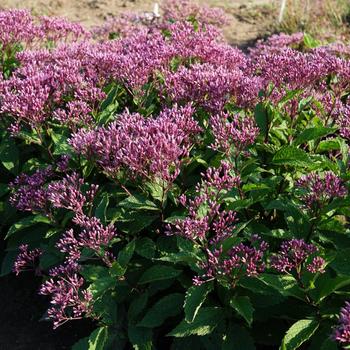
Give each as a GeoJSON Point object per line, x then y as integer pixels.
{"type": "Point", "coordinates": [174, 189]}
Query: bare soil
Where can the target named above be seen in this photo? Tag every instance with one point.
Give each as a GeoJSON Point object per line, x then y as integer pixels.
{"type": "Point", "coordinates": [249, 19]}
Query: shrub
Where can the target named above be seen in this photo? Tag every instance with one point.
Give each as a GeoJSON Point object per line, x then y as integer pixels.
{"type": "Point", "coordinates": [174, 189]}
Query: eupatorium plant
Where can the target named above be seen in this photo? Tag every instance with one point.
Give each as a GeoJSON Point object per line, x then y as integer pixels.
{"type": "Point", "coordinates": [176, 190]}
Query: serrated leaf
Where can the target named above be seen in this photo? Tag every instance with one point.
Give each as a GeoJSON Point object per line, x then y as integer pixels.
{"type": "Point", "coordinates": [169, 306]}
{"type": "Point", "coordinates": [293, 156]}
{"type": "Point", "coordinates": [27, 222]}
{"type": "Point", "coordinates": [244, 307]}
{"type": "Point", "coordinates": [158, 273]}
{"type": "Point", "coordinates": [313, 134]}
{"type": "Point", "coordinates": [195, 297]}
{"type": "Point", "coordinates": [284, 284]}
{"type": "Point", "coordinates": [206, 321]}
{"type": "Point", "coordinates": [299, 333]}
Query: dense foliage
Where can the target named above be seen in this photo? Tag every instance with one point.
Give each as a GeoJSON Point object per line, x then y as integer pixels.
{"type": "Point", "coordinates": [179, 192]}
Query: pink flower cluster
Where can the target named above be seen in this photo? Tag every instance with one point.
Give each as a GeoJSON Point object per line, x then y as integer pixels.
{"type": "Point", "coordinates": [241, 260]}
{"type": "Point", "coordinates": [150, 148]}
{"type": "Point", "coordinates": [188, 10]}
{"type": "Point", "coordinates": [67, 194]}
{"type": "Point", "coordinates": [294, 256]}
{"type": "Point", "coordinates": [31, 192]}
{"type": "Point", "coordinates": [320, 190]}
{"type": "Point", "coordinates": [26, 259]}
{"type": "Point", "coordinates": [93, 235]}
{"type": "Point", "coordinates": [206, 220]}
{"type": "Point", "coordinates": [233, 134]}
{"type": "Point", "coordinates": [20, 27]}
{"type": "Point", "coordinates": [342, 331]}
{"type": "Point", "coordinates": [68, 299]}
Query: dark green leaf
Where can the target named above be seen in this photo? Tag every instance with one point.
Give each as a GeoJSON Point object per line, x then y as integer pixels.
{"type": "Point", "coordinates": [299, 333]}
{"type": "Point", "coordinates": [195, 297]}
{"type": "Point", "coordinates": [158, 273]}
{"type": "Point", "coordinates": [244, 307]}
{"type": "Point", "coordinates": [206, 321]}
{"type": "Point", "coordinates": [145, 247]}
{"type": "Point", "coordinates": [27, 222]}
{"type": "Point", "coordinates": [168, 306]}
{"type": "Point", "coordinates": [9, 155]}
{"type": "Point", "coordinates": [138, 202]}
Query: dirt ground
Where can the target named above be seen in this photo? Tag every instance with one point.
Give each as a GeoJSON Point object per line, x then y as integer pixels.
{"type": "Point", "coordinates": [248, 18]}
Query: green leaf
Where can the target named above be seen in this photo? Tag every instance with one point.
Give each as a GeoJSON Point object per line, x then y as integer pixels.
{"type": "Point", "coordinates": [237, 338]}
{"type": "Point", "coordinates": [298, 334]}
{"type": "Point", "coordinates": [101, 209]}
{"type": "Point", "coordinates": [140, 337]}
{"type": "Point", "coordinates": [293, 156]}
{"type": "Point", "coordinates": [102, 285]}
{"type": "Point", "coordinates": [284, 284]}
{"type": "Point", "coordinates": [169, 306]}
{"type": "Point", "coordinates": [329, 344]}
{"type": "Point", "coordinates": [61, 144]}
{"type": "Point", "coordinates": [206, 321]}
{"type": "Point", "coordinates": [93, 273]}
{"type": "Point", "coordinates": [341, 263]}
{"type": "Point", "coordinates": [145, 247]}
{"type": "Point", "coordinates": [310, 42]}
{"type": "Point", "coordinates": [244, 307]}
{"type": "Point", "coordinates": [126, 254]}
{"type": "Point", "coordinates": [137, 306]}
{"type": "Point", "coordinates": [195, 297]}
{"type": "Point", "coordinates": [325, 286]}
{"type": "Point", "coordinates": [27, 222]}
{"type": "Point", "coordinates": [313, 134]}
{"type": "Point", "coordinates": [9, 154]}
{"type": "Point", "coordinates": [261, 118]}
{"type": "Point", "coordinates": [158, 273]}
{"type": "Point", "coordinates": [138, 202]}
{"type": "Point", "coordinates": [96, 341]}
{"type": "Point", "coordinates": [3, 189]}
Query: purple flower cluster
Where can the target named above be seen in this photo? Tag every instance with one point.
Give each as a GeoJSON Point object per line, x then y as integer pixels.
{"type": "Point", "coordinates": [241, 260]}
{"type": "Point", "coordinates": [294, 255]}
{"type": "Point", "coordinates": [320, 190]}
{"type": "Point", "coordinates": [31, 193]}
{"type": "Point", "coordinates": [205, 84]}
{"type": "Point", "coordinates": [93, 235]}
{"type": "Point", "coordinates": [233, 134]}
{"type": "Point", "coordinates": [67, 193]}
{"type": "Point", "coordinates": [150, 148]}
{"type": "Point", "coordinates": [342, 331]}
{"type": "Point", "coordinates": [26, 259]}
{"type": "Point", "coordinates": [68, 299]}
{"type": "Point", "coordinates": [206, 220]}
{"type": "Point", "coordinates": [20, 27]}
{"type": "Point", "coordinates": [188, 10]}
